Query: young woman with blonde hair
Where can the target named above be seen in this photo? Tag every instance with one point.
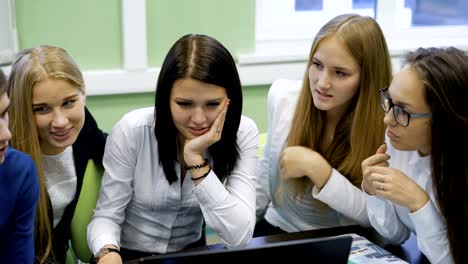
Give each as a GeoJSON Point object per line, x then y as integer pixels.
{"type": "Point", "coordinates": [321, 129]}
{"type": "Point", "coordinates": [49, 121]}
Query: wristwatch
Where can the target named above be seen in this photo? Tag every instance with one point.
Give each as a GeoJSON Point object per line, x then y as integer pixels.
{"type": "Point", "coordinates": [104, 251]}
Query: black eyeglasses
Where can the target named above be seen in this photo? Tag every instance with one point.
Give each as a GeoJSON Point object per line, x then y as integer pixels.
{"type": "Point", "coordinates": [401, 116]}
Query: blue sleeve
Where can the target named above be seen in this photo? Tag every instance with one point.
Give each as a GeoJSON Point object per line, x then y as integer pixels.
{"type": "Point", "coordinates": [22, 242]}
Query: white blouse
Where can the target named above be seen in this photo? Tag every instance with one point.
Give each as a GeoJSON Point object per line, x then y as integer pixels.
{"type": "Point", "coordinates": [396, 222]}
{"type": "Point", "coordinates": [138, 209]}
{"type": "Point", "coordinates": [60, 181]}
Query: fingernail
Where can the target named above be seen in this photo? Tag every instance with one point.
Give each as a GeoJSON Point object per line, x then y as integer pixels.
{"type": "Point", "coordinates": [228, 102]}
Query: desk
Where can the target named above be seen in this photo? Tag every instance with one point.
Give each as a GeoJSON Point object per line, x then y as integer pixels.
{"type": "Point", "coordinates": [408, 251]}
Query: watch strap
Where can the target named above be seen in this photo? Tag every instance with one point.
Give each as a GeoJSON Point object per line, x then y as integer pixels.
{"type": "Point", "coordinates": [104, 251]}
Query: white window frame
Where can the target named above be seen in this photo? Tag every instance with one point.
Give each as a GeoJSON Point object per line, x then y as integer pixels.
{"type": "Point", "coordinates": [395, 21]}
{"type": "Point", "coordinates": [284, 36]}
{"type": "Point", "coordinates": [278, 20]}
{"type": "Point", "coordinates": [281, 51]}
{"type": "Point", "coordinates": [8, 38]}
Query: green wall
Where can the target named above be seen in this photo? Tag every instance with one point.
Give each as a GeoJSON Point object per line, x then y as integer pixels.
{"type": "Point", "coordinates": [91, 32]}
{"type": "Point", "coordinates": [230, 22]}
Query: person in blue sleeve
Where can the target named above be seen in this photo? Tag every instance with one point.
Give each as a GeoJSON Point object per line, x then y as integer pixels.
{"type": "Point", "coordinates": [19, 192]}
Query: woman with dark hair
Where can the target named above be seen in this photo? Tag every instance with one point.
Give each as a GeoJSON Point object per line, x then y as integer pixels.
{"type": "Point", "coordinates": [19, 192]}
{"type": "Point", "coordinates": [189, 159]}
{"type": "Point", "coordinates": [417, 181]}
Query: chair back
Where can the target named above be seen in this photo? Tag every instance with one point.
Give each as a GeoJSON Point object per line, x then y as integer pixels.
{"type": "Point", "coordinates": [84, 210]}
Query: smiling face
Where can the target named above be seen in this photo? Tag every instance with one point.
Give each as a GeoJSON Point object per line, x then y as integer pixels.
{"type": "Point", "coordinates": [58, 108]}
{"type": "Point", "coordinates": [195, 106]}
{"type": "Point", "coordinates": [407, 91]}
{"type": "Point", "coordinates": [5, 134]}
{"type": "Point", "coordinates": [334, 76]}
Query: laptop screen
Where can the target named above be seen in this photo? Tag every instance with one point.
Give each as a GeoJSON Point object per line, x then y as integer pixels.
{"type": "Point", "coordinates": [312, 250]}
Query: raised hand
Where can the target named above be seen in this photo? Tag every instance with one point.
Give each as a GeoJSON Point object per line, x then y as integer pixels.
{"type": "Point", "coordinates": [298, 161]}
{"type": "Point", "coordinates": [378, 159]}
{"type": "Point", "coordinates": [397, 187]}
{"type": "Point", "coordinates": [392, 184]}
{"type": "Point", "coordinates": [194, 148]}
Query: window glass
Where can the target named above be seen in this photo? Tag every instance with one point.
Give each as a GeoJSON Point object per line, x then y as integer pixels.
{"type": "Point", "coordinates": [438, 12]}
{"type": "Point", "coordinates": [363, 4]}
{"type": "Point", "coordinates": [308, 5]}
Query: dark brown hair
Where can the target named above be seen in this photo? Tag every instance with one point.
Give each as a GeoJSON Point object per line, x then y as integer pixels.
{"type": "Point", "coordinates": [444, 72]}
{"type": "Point", "coordinates": [204, 59]}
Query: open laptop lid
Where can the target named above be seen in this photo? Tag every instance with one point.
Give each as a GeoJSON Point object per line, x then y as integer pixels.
{"type": "Point", "coordinates": [312, 250]}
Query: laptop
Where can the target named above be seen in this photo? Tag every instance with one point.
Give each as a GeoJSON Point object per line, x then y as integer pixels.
{"type": "Point", "coordinates": [311, 250]}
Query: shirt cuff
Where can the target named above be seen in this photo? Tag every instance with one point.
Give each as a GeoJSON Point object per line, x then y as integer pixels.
{"type": "Point", "coordinates": [210, 190]}
{"type": "Point", "coordinates": [328, 191]}
{"type": "Point", "coordinates": [428, 221]}
{"type": "Point", "coordinates": [101, 241]}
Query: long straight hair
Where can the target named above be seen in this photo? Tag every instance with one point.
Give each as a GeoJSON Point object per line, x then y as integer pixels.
{"type": "Point", "coordinates": [32, 66]}
{"type": "Point", "coordinates": [205, 59]}
{"type": "Point", "coordinates": [3, 83]}
{"type": "Point", "coordinates": [444, 73]}
{"type": "Point", "coordinates": [360, 131]}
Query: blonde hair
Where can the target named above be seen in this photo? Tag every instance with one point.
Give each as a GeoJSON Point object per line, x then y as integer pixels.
{"type": "Point", "coordinates": [31, 67]}
{"type": "Point", "coordinates": [361, 130]}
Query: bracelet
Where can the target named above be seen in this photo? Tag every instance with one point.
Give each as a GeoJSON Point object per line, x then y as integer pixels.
{"type": "Point", "coordinates": [198, 166]}
{"type": "Point", "coordinates": [203, 176]}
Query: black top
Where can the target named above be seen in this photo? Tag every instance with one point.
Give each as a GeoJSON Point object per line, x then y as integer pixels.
{"type": "Point", "coordinates": [89, 145]}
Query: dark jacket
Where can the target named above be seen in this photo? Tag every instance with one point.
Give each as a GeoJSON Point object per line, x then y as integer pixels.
{"type": "Point", "coordinates": [89, 145]}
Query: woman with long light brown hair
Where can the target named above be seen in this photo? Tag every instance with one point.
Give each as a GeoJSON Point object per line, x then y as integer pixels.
{"type": "Point", "coordinates": [321, 129]}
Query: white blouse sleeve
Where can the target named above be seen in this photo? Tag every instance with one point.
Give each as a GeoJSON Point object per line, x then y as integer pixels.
{"type": "Point", "coordinates": [263, 167]}
{"type": "Point", "coordinates": [116, 190]}
{"type": "Point", "coordinates": [229, 209]}
{"type": "Point", "coordinates": [431, 233]}
{"type": "Point", "coordinates": [341, 195]}
{"type": "Point", "coordinates": [384, 219]}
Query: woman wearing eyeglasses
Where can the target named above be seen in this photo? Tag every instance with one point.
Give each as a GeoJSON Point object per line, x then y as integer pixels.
{"type": "Point", "coordinates": [417, 182]}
